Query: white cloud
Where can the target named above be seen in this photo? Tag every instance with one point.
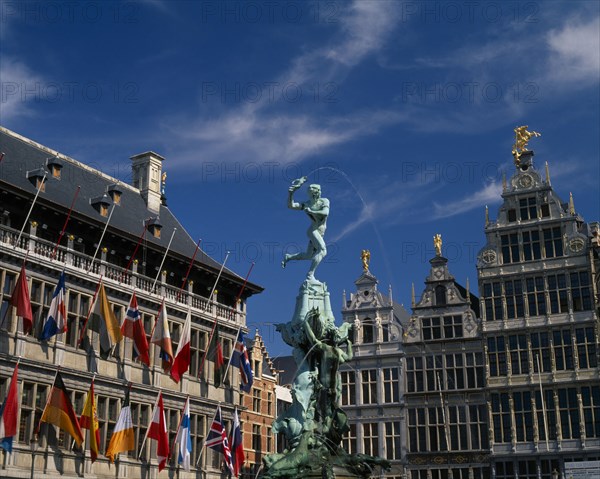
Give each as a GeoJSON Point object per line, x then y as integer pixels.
{"type": "Point", "coordinates": [248, 135]}
{"type": "Point", "coordinates": [18, 85]}
{"type": "Point", "coordinates": [271, 130]}
{"type": "Point", "coordinates": [365, 27]}
{"type": "Point", "coordinates": [575, 52]}
{"type": "Point", "coordinates": [489, 194]}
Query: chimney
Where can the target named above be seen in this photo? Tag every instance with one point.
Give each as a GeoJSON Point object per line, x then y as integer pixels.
{"type": "Point", "coordinates": [146, 173]}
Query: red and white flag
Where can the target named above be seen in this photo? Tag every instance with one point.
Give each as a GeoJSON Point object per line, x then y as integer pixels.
{"type": "Point", "coordinates": [9, 412]}
{"type": "Point", "coordinates": [181, 363]}
{"type": "Point", "coordinates": [162, 338]}
{"type": "Point", "coordinates": [157, 430]}
{"type": "Point", "coordinates": [20, 300]}
{"type": "Point", "coordinates": [133, 328]}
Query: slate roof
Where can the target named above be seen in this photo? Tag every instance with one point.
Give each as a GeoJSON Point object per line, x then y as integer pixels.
{"type": "Point", "coordinates": [23, 155]}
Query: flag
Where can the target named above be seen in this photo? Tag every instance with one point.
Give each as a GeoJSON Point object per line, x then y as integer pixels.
{"type": "Point", "coordinates": [162, 338]}
{"type": "Point", "coordinates": [181, 363]}
{"type": "Point", "coordinates": [59, 410]}
{"type": "Point", "coordinates": [103, 321]}
{"type": "Point", "coordinates": [122, 438]}
{"type": "Point", "coordinates": [56, 322]}
{"type": "Point", "coordinates": [133, 328]}
{"type": "Point", "coordinates": [89, 420]}
{"type": "Point", "coordinates": [20, 300]}
{"type": "Point", "coordinates": [158, 430]}
{"type": "Point", "coordinates": [215, 352]}
{"type": "Point", "coordinates": [241, 360]}
{"type": "Point", "coordinates": [237, 445]}
{"type": "Point", "coordinates": [9, 411]}
{"type": "Point", "coordinates": [217, 439]}
{"type": "Point", "coordinates": [184, 438]}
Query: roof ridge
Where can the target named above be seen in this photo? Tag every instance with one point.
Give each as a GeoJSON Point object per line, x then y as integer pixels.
{"type": "Point", "coordinates": [62, 156]}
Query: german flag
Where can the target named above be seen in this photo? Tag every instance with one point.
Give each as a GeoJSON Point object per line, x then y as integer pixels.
{"type": "Point", "coordinates": [59, 411]}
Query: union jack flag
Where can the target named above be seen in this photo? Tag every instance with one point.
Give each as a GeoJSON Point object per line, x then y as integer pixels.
{"type": "Point", "coordinates": [217, 439]}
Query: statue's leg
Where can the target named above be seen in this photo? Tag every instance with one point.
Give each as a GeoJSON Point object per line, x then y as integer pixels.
{"type": "Point", "coordinates": [308, 254]}
{"type": "Point", "coordinates": [319, 251]}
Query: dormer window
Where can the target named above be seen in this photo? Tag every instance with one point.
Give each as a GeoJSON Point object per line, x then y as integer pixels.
{"type": "Point", "coordinates": [101, 204]}
{"type": "Point", "coordinates": [368, 333]}
{"type": "Point", "coordinates": [54, 166]}
{"type": "Point", "coordinates": [38, 178]}
{"type": "Point", "coordinates": [440, 295]}
{"type": "Point", "coordinates": [154, 226]}
{"type": "Point", "coordinates": [115, 193]}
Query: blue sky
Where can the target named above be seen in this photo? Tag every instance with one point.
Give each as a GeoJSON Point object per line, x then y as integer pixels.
{"type": "Point", "coordinates": [403, 111]}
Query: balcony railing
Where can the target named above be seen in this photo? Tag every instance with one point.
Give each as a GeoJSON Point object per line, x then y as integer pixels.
{"type": "Point", "coordinates": [116, 276]}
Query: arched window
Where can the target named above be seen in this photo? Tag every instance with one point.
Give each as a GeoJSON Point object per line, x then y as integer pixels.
{"type": "Point", "coordinates": [440, 295]}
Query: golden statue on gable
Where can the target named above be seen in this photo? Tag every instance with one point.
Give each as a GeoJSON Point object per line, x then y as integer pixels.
{"type": "Point", "coordinates": [365, 256]}
{"type": "Point", "coordinates": [522, 137]}
{"type": "Point", "coordinates": [437, 243]}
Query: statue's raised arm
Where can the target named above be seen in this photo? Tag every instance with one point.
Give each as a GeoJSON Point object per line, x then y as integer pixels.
{"type": "Point", "coordinates": [296, 184]}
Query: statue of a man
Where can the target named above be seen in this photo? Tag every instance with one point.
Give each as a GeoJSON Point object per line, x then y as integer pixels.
{"type": "Point", "coordinates": [317, 209]}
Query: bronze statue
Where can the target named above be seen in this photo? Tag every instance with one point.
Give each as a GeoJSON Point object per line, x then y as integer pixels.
{"type": "Point", "coordinates": [317, 209]}
{"type": "Point", "coordinates": [314, 424]}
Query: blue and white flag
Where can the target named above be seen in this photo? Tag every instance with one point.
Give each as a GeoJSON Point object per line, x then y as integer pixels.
{"type": "Point", "coordinates": [241, 360]}
{"type": "Point", "coordinates": [184, 438]}
{"type": "Point", "coordinates": [56, 322]}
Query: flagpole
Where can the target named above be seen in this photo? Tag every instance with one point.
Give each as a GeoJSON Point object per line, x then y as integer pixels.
{"type": "Point", "coordinates": [215, 323]}
{"type": "Point", "coordinates": [204, 442]}
{"type": "Point", "coordinates": [163, 260]}
{"type": "Point", "coordinates": [101, 237]}
{"type": "Point", "coordinates": [188, 270]}
{"type": "Point", "coordinates": [65, 225]}
{"type": "Point", "coordinates": [31, 208]}
{"type": "Point", "coordinates": [443, 412]}
{"type": "Point", "coordinates": [162, 305]}
{"type": "Point", "coordinates": [37, 431]}
{"type": "Point", "coordinates": [244, 285]}
{"type": "Point", "coordinates": [537, 358]}
{"type": "Point", "coordinates": [89, 312]}
{"type": "Point", "coordinates": [210, 298]}
{"type": "Point", "coordinates": [134, 252]}
{"type": "Point", "coordinates": [148, 428]}
{"type": "Point", "coordinates": [231, 355]}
